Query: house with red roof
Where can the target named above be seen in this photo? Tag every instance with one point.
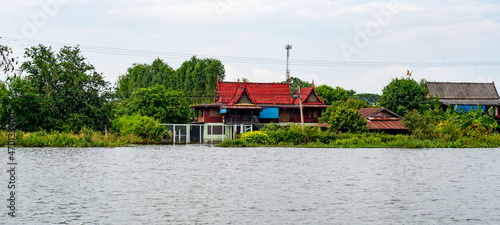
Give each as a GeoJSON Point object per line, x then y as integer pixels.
{"type": "Point", "coordinates": [382, 119]}
{"type": "Point", "coordinates": [258, 104]}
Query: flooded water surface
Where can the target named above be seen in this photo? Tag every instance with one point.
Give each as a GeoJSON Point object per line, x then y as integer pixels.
{"type": "Point", "coordinates": [209, 185]}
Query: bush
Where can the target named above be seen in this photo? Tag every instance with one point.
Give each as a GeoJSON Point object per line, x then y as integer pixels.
{"type": "Point", "coordinates": [257, 137]}
{"type": "Point", "coordinates": [142, 126]}
{"type": "Point", "coordinates": [284, 133]}
{"type": "Point", "coordinates": [233, 143]}
{"type": "Point", "coordinates": [344, 117]}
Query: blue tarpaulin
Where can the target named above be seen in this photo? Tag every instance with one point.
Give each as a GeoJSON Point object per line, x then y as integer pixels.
{"type": "Point", "coordinates": [270, 113]}
{"type": "Point", "coordinates": [467, 108]}
{"type": "Point", "coordinates": [223, 111]}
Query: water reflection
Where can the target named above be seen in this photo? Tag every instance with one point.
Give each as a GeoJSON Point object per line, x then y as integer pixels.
{"type": "Point", "coordinates": [200, 184]}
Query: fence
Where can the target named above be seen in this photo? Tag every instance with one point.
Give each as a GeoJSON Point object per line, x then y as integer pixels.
{"type": "Point", "coordinates": [203, 133]}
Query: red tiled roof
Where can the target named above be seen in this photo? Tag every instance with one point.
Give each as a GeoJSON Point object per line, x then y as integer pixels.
{"type": "Point", "coordinates": [259, 93]}
{"type": "Point", "coordinates": [385, 125]}
{"type": "Point", "coordinates": [305, 92]}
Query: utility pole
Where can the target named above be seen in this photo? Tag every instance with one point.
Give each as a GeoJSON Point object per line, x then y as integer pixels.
{"type": "Point", "coordinates": [301, 112]}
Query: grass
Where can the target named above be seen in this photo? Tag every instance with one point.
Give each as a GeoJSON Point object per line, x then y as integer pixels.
{"type": "Point", "coordinates": [376, 140]}
{"type": "Point", "coordinates": [86, 138]}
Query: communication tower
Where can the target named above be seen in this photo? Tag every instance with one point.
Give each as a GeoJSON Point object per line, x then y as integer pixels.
{"type": "Point", "coordinates": [287, 47]}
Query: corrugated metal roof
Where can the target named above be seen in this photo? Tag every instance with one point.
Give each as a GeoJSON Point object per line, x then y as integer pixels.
{"type": "Point", "coordinates": [464, 91]}
{"type": "Point", "coordinates": [371, 112]}
{"type": "Point", "coordinates": [385, 125]}
{"type": "Point", "coordinates": [381, 119]}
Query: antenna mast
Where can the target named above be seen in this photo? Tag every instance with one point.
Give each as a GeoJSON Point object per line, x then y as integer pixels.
{"type": "Point", "coordinates": [287, 47]}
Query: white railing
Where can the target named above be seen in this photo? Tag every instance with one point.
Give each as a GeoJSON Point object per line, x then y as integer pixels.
{"type": "Point", "coordinates": [203, 133]}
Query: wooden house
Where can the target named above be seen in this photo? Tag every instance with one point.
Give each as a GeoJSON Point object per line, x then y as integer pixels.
{"type": "Point", "coordinates": [465, 96]}
{"type": "Point", "coordinates": [382, 119]}
{"type": "Point", "coordinates": [259, 104]}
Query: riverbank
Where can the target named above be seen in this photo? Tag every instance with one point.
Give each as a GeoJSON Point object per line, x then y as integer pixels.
{"type": "Point", "coordinates": [86, 138]}
{"type": "Point", "coordinates": [376, 140]}
{"type": "Point", "coordinates": [365, 140]}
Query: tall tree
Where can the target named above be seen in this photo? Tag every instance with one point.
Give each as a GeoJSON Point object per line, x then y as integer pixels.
{"type": "Point", "coordinates": [65, 92]}
{"type": "Point", "coordinates": [197, 78]}
{"type": "Point", "coordinates": [144, 76]}
{"type": "Point", "coordinates": [343, 116]}
{"type": "Point", "coordinates": [406, 94]}
{"type": "Point", "coordinates": [330, 95]}
{"type": "Point", "coordinates": [167, 106]}
{"type": "Point", "coordinates": [371, 99]}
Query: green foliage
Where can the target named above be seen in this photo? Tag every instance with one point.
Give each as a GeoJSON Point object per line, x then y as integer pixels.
{"type": "Point", "coordinates": [371, 99]}
{"type": "Point", "coordinates": [7, 63]}
{"type": "Point", "coordinates": [344, 117]}
{"type": "Point", "coordinates": [144, 76]}
{"type": "Point", "coordinates": [450, 125]}
{"type": "Point", "coordinates": [232, 143]}
{"type": "Point", "coordinates": [158, 103]}
{"type": "Point", "coordinates": [59, 92]}
{"type": "Point", "coordinates": [284, 133]}
{"type": "Point", "coordinates": [294, 83]}
{"type": "Point", "coordinates": [85, 138]}
{"type": "Point", "coordinates": [196, 78]}
{"type": "Point", "coordinates": [422, 125]}
{"type": "Point", "coordinates": [142, 126]}
{"type": "Point", "coordinates": [330, 95]}
{"type": "Point", "coordinates": [405, 94]}
{"type": "Point", "coordinates": [257, 137]}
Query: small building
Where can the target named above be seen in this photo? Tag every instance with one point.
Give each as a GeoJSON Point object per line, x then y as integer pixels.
{"type": "Point", "coordinates": [258, 104]}
{"type": "Point", "coordinates": [465, 96]}
{"type": "Point", "coordinates": [382, 119]}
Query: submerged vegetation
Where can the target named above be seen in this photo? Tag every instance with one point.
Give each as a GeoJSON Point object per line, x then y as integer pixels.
{"type": "Point", "coordinates": [85, 138]}
{"type": "Point", "coordinates": [431, 129]}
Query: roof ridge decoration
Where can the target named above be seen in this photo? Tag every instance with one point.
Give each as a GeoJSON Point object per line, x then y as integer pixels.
{"type": "Point", "coordinates": [242, 89]}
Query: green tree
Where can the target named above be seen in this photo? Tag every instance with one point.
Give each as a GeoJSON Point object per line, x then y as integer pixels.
{"type": "Point", "coordinates": [142, 126]}
{"type": "Point", "coordinates": [344, 117]}
{"type": "Point", "coordinates": [197, 78]}
{"type": "Point", "coordinates": [59, 92]}
{"type": "Point", "coordinates": [166, 106]}
{"type": "Point", "coordinates": [7, 63]}
{"type": "Point", "coordinates": [145, 76]}
{"type": "Point", "coordinates": [405, 94]}
{"type": "Point", "coordinates": [294, 83]}
{"type": "Point", "coordinates": [371, 99]}
{"type": "Point", "coordinates": [331, 95]}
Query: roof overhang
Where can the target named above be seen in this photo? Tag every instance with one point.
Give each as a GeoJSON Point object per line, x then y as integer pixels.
{"type": "Point", "coordinates": [242, 107]}
{"type": "Point", "coordinates": [481, 102]}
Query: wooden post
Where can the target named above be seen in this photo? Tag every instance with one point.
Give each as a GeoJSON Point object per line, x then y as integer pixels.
{"type": "Point", "coordinates": [173, 135]}
{"type": "Point", "coordinates": [301, 112]}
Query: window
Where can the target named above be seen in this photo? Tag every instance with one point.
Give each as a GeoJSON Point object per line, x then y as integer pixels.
{"type": "Point", "coordinates": [216, 129]}
{"type": "Point", "coordinates": [214, 113]}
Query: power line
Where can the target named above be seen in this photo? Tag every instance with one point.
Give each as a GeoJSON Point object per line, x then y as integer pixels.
{"type": "Point", "coordinates": [252, 60]}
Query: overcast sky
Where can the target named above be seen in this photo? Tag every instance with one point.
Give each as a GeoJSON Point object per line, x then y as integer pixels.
{"type": "Point", "coordinates": [357, 44]}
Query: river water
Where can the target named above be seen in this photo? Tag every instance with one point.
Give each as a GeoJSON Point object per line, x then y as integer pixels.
{"type": "Point", "coordinates": [208, 185]}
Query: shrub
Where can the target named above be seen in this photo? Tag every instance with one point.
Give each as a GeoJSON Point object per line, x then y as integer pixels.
{"type": "Point", "coordinates": [284, 133]}
{"type": "Point", "coordinates": [344, 117]}
{"type": "Point", "coordinates": [142, 126]}
{"type": "Point", "coordinates": [233, 143]}
{"type": "Point", "coordinates": [257, 137]}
